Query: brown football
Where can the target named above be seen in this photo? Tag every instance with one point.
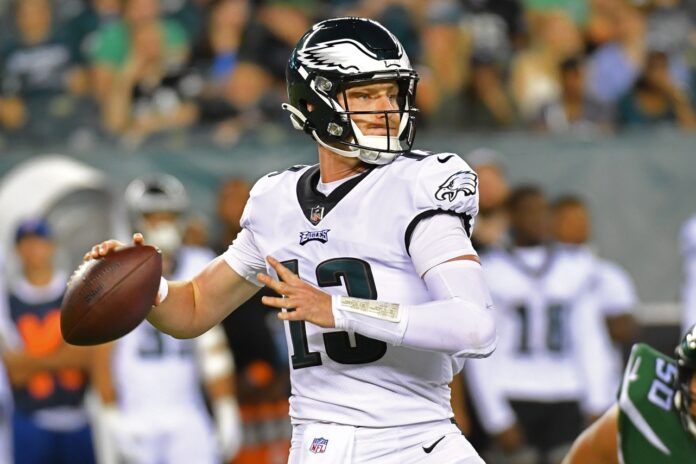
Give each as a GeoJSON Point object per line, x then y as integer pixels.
{"type": "Point", "coordinates": [110, 296]}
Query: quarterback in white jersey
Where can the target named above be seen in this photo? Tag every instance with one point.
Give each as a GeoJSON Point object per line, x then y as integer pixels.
{"type": "Point", "coordinates": [552, 358]}
{"type": "Point", "coordinates": [383, 292]}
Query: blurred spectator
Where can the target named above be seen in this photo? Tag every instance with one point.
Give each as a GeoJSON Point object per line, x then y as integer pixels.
{"type": "Point", "coordinates": [80, 30]}
{"type": "Point", "coordinates": [191, 14]}
{"type": "Point", "coordinates": [535, 77]}
{"type": "Point", "coordinates": [575, 111]}
{"type": "Point", "coordinates": [39, 77]}
{"type": "Point", "coordinates": [154, 91]}
{"type": "Point", "coordinates": [48, 376]}
{"type": "Point", "coordinates": [656, 99]}
{"type": "Point", "coordinates": [446, 53]}
{"type": "Point", "coordinates": [577, 10]}
{"type": "Point", "coordinates": [112, 48]}
{"type": "Point", "coordinates": [615, 66]}
{"type": "Point", "coordinates": [491, 221]}
{"type": "Point", "coordinates": [497, 26]}
{"type": "Point", "coordinates": [217, 57]}
{"type": "Point", "coordinates": [669, 29]}
{"type": "Point", "coordinates": [600, 27]}
{"type": "Point", "coordinates": [487, 104]}
{"type": "Point", "coordinates": [257, 83]}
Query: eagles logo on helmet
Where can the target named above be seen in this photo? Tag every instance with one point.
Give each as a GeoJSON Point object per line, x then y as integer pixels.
{"type": "Point", "coordinates": [334, 55]}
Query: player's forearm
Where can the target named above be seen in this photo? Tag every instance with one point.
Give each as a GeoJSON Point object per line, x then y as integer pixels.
{"type": "Point", "coordinates": [193, 307]}
{"type": "Point", "coordinates": [66, 357]}
{"type": "Point", "coordinates": [459, 322]}
{"type": "Point", "coordinates": [183, 314]}
{"type": "Point", "coordinates": [454, 326]}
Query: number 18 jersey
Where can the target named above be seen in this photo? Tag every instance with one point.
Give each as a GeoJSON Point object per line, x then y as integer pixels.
{"type": "Point", "coordinates": [355, 242]}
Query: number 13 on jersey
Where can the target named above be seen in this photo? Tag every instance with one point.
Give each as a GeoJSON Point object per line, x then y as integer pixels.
{"type": "Point", "coordinates": [359, 282]}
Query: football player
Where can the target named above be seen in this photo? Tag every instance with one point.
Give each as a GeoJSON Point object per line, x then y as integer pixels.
{"type": "Point", "coordinates": [549, 372]}
{"type": "Point", "coordinates": [384, 296]}
{"type": "Point", "coordinates": [150, 382]}
{"type": "Point", "coordinates": [654, 420]}
{"type": "Point", "coordinates": [616, 292]}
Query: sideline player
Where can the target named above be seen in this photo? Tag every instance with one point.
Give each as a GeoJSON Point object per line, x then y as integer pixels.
{"type": "Point", "coordinates": [654, 420]}
{"type": "Point", "coordinates": [550, 371]}
{"type": "Point", "coordinates": [150, 383]}
{"type": "Point", "coordinates": [384, 294]}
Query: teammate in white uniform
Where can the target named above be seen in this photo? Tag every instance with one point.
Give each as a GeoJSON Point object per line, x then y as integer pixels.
{"type": "Point", "coordinates": [688, 248]}
{"type": "Point", "coordinates": [553, 350]}
{"type": "Point", "coordinates": [616, 292]}
{"type": "Point", "coordinates": [155, 380]}
{"type": "Point", "coordinates": [369, 371]}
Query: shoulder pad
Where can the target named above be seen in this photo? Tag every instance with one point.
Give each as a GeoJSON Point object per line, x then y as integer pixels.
{"type": "Point", "coordinates": [272, 179]}
{"type": "Point", "coordinates": [445, 182]}
{"type": "Point", "coordinates": [640, 369]}
{"type": "Point", "coordinates": [269, 183]}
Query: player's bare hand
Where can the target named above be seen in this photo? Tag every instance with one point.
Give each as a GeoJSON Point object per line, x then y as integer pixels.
{"type": "Point", "coordinates": [303, 301]}
{"type": "Point", "coordinates": [510, 439]}
{"type": "Point", "coordinates": [104, 248]}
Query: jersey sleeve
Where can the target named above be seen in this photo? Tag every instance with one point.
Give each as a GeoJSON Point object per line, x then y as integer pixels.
{"type": "Point", "coordinates": [445, 184]}
{"type": "Point", "coordinates": [688, 246]}
{"type": "Point", "coordinates": [592, 350]}
{"type": "Point", "coordinates": [438, 239]}
{"type": "Point", "coordinates": [617, 292]}
{"type": "Point", "coordinates": [243, 255]}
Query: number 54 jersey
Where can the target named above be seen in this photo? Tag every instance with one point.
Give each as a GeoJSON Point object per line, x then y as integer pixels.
{"type": "Point", "coordinates": [355, 242]}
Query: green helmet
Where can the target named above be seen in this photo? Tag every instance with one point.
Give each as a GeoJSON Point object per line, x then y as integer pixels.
{"type": "Point", "coordinates": [686, 360]}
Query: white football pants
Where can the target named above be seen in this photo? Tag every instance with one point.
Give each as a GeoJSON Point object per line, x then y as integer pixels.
{"type": "Point", "coordinates": [438, 442]}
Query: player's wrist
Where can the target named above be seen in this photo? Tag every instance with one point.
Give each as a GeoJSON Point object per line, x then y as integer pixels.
{"type": "Point", "coordinates": [162, 291]}
{"type": "Point", "coordinates": [390, 312]}
{"type": "Point", "coordinates": [340, 321]}
{"type": "Point", "coordinates": [375, 319]}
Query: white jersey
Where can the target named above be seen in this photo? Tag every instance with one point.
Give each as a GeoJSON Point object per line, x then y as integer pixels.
{"type": "Point", "coordinates": [154, 373]}
{"type": "Point", "coordinates": [688, 248]}
{"type": "Point", "coordinates": [552, 345]}
{"type": "Point", "coordinates": [355, 241]}
{"type": "Point", "coordinates": [616, 291]}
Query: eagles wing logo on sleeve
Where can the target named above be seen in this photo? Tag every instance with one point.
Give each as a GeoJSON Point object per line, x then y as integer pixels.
{"type": "Point", "coordinates": [462, 181]}
{"type": "Point", "coordinates": [348, 56]}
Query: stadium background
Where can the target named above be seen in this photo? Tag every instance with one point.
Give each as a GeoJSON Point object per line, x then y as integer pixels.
{"type": "Point", "coordinates": [495, 74]}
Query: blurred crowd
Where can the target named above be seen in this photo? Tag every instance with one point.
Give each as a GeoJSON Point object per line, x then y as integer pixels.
{"type": "Point", "coordinates": [76, 71]}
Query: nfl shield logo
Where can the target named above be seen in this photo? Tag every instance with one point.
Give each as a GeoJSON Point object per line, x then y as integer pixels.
{"type": "Point", "coordinates": [316, 214]}
{"type": "Point", "coordinates": [318, 445]}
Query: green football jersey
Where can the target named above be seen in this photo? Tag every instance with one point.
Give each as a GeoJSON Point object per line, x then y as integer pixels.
{"type": "Point", "coordinates": [650, 429]}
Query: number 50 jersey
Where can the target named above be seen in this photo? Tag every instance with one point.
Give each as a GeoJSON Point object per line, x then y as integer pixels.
{"type": "Point", "coordinates": [355, 242]}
